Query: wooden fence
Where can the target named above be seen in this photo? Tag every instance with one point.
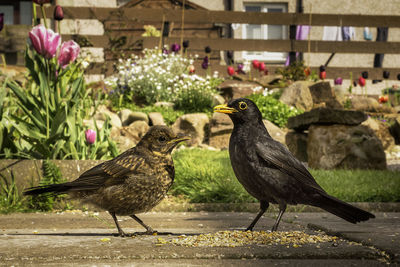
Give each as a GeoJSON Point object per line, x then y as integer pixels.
{"type": "Point", "coordinates": [119, 24]}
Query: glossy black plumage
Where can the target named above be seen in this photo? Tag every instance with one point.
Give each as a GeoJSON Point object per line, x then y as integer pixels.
{"type": "Point", "coordinates": [270, 173]}
{"type": "Point", "coordinates": [131, 183]}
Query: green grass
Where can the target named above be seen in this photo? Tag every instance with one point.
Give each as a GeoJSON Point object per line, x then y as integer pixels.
{"type": "Point", "coordinates": [204, 176]}
{"type": "Point", "coordinates": [207, 176]}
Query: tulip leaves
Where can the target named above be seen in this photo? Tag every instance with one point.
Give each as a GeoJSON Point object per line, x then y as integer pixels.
{"type": "Point", "coordinates": [51, 111]}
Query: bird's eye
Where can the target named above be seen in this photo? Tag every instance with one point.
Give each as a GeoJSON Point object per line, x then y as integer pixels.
{"type": "Point", "coordinates": [242, 105]}
{"type": "Point", "coordinates": [161, 139]}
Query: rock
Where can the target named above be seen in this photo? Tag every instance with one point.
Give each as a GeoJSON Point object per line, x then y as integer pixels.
{"type": "Point", "coordinates": [381, 130]}
{"type": "Point", "coordinates": [164, 104]}
{"type": "Point", "coordinates": [194, 125]}
{"type": "Point", "coordinates": [136, 130]}
{"type": "Point", "coordinates": [128, 116]}
{"type": "Point", "coordinates": [231, 89]}
{"type": "Point", "coordinates": [103, 112]}
{"type": "Point", "coordinates": [369, 104]}
{"type": "Point", "coordinates": [128, 136]}
{"type": "Point", "coordinates": [344, 147]}
{"type": "Point", "coordinates": [395, 129]}
{"type": "Point", "coordinates": [267, 80]}
{"type": "Point", "coordinates": [322, 92]}
{"type": "Point", "coordinates": [220, 130]}
{"type": "Point", "coordinates": [326, 116]}
{"type": "Point", "coordinates": [297, 144]}
{"type": "Point", "coordinates": [218, 100]}
{"type": "Point", "coordinates": [396, 109]}
{"type": "Point", "coordinates": [340, 93]}
{"type": "Point", "coordinates": [276, 133]}
{"type": "Point", "coordinates": [298, 95]}
{"type": "Point", "coordinates": [156, 118]}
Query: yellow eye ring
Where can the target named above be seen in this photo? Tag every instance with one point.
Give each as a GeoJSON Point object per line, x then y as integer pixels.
{"type": "Point", "coordinates": [242, 105]}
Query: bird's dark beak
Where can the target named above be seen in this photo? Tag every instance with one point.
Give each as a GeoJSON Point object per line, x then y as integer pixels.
{"type": "Point", "coordinates": [224, 109]}
{"type": "Point", "coordinates": [179, 139]}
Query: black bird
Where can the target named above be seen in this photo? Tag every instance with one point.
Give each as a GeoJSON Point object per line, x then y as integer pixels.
{"type": "Point", "coordinates": [270, 173]}
{"type": "Point", "coordinates": [132, 183]}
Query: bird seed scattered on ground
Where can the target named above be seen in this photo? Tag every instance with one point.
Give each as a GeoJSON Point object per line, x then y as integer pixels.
{"type": "Point", "coordinates": [240, 238]}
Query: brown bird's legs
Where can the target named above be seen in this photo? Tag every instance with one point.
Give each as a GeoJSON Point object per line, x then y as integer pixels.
{"type": "Point", "coordinates": [282, 208]}
{"type": "Point", "coordinates": [263, 207]}
{"type": "Point", "coordinates": [120, 232]}
{"type": "Point", "coordinates": [149, 230]}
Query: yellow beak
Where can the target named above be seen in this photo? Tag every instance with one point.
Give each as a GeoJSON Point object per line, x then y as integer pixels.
{"type": "Point", "coordinates": [224, 109]}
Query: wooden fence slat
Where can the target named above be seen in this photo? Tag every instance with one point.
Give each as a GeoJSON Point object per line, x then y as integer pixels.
{"type": "Point", "coordinates": [332, 72]}
{"type": "Point", "coordinates": [138, 42]}
{"type": "Point", "coordinates": [206, 16]}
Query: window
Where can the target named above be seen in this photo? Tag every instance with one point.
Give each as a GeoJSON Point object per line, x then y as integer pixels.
{"type": "Point", "coordinates": [265, 32]}
{"type": "Point", "coordinates": [16, 12]}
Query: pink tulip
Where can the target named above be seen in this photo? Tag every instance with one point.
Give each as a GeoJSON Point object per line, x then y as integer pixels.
{"type": "Point", "coordinates": [90, 136]}
{"type": "Point", "coordinates": [261, 66]}
{"type": "Point", "coordinates": [68, 53]}
{"type": "Point", "coordinates": [256, 64]}
{"type": "Point", "coordinates": [45, 41]}
{"type": "Point", "coordinates": [1, 21]}
{"type": "Point", "coordinates": [58, 13]}
{"type": "Point", "coordinates": [41, 2]}
{"type": "Point", "coordinates": [361, 81]}
{"type": "Point", "coordinates": [231, 71]}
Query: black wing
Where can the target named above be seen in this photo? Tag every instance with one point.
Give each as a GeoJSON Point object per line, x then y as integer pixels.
{"type": "Point", "coordinates": [277, 155]}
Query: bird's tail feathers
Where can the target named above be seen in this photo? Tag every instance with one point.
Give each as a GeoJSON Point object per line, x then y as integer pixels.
{"type": "Point", "coordinates": [50, 189]}
{"type": "Point", "coordinates": [342, 209]}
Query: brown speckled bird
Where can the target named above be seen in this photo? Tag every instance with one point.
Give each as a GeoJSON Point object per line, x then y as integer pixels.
{"type": "Point", "coordinates": [132, 183]}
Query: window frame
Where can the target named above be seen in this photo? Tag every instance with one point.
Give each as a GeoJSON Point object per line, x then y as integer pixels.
{"type": "Point", "coordinates": [270, 57]}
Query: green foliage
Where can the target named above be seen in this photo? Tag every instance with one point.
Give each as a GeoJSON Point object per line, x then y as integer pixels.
{"type": "Point", "coordinates": [10, 199]}
{"type": "Point", "coordinates": [51, 112]}
{"type": "Point", "coordinates": [7, 144]}
{"type": "Point", "coordinates": [293, 72]}
{"type": "Point", "coordinates": [197, 96]}
{"type": "Point", "coordinates": [162, 77]}
{"type": "Point", "coordinates": [274, 110]}
{"type": "Point", "coordinates": [207, 176]}
{"type": "Point", "coordinates": [51, 175]}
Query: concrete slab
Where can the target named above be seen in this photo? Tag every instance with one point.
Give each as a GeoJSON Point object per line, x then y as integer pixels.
{"type": "Point", "coordinates": [87, 238]}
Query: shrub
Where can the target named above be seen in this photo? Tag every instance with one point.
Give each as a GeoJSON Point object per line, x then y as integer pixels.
{"type": "Point", "coordinates": [274, 110]}
{"type": "Point", "coordinates": [160, 76]}
{"type": "Point", "coordinates": [293, 72]}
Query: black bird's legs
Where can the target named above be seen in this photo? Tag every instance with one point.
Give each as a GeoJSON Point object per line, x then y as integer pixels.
{"type": "Point", "coordinates": [263, 207]}
{"type": "Point", "coordinates": [120, 232]}
{"type": "Point", "coordinates": [149, 230]}
{"type": "Point", "coordinates": [282, 209]}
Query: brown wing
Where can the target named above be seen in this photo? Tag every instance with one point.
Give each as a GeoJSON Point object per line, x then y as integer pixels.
{"type": "Point", "coordinates": [110, 172]}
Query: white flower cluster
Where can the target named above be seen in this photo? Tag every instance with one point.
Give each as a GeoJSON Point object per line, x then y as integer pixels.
{"type": "Point", "coordinates": [158, 77]}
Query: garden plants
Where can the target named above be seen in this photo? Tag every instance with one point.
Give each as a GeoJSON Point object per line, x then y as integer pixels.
{"type": "Point", "coordinates": [54, 102]}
